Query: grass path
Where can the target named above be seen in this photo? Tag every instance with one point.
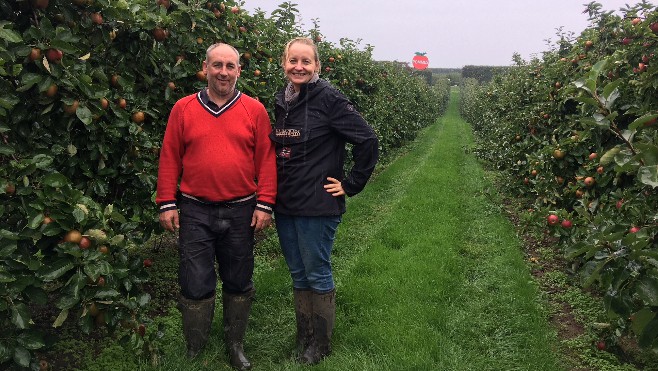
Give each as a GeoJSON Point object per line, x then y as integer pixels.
{"type": "Point", "coordinates": [430, 276]}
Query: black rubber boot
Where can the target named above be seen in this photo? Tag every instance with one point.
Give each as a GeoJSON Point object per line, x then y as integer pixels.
{"type": "Point", "coordinates": [324, 317]}
{"type": "Point", "coordinates": [236, 315]}
{"type": "Point", "coordinates": [303, 316]}
{"type": "Point", "coordinates": [197, 319]}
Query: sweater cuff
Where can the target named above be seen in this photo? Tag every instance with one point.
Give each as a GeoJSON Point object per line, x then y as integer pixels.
{"type": "Point", "coordinates": [265, 207]}
{"type": "Point", "coordinates": [166, 206]}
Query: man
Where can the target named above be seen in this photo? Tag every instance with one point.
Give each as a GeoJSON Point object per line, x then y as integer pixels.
{"type": "Point", "coordinates": [217, 144]}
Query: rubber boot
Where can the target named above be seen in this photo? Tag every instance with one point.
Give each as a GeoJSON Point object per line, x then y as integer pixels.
{"type": "Point", "coordinates": [324, 317]}
{"type": "Point", "coordinates": [236, 315]}
{"type": "Point", "coordinates": [303, 316]}
{"type": "Point", "coordinates": [197, 319]}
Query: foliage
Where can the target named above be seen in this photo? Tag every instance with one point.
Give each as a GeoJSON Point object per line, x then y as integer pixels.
{"type": "Point", "coordinates": [86, 87]}
{"type": "Point", "coordinates": [576, 130]}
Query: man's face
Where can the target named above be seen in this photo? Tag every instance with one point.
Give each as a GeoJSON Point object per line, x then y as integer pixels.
{"type": "Point", "coordinates": [222, 70]}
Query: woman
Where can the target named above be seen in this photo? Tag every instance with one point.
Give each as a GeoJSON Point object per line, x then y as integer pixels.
{"type": "Point", "coordinates": [313, 123]}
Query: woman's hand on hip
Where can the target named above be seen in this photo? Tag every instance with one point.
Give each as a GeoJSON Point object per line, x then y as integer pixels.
{"type": "Point", "coordinates": [335, 187]}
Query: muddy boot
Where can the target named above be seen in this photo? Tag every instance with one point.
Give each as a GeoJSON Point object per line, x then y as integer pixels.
{"type": "Point", "coordinates": [324, 316]}
{"type": "Point", "coordinates": [197, 319]}
{"type": "Point", "coordinates": [236, 315]}
{"type": "Point", "coordinates": [303, 315]}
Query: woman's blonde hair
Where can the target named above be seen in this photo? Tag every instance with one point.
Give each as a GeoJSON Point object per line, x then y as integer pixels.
{"type": "Point", "coordinates": [301, 40]}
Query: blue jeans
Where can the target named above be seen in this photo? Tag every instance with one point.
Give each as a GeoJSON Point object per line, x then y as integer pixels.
{"type": "Point", "coordinates": [306, 242]}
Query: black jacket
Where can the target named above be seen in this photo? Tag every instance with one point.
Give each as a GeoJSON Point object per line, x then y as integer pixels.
{"type": "Point", "coordinates": [309, 138]}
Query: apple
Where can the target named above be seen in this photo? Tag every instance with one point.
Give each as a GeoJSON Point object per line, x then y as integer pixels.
{"type": "Point", "coordinates": [101, 281]}
{"type": "Point", "coordinates": [201, 76]}
{"type": "Point", "coordinates": [654, 27]}
{"type": "Point", "coordinates": [103, 249]}
{"type": "Point", "coordinates": [634, 229]}
{"type": "Point", "coordinates": [566, 223]}
{"type": "Point", "coordinates": [164, 3]}
{"type": "Point", "coordinates": [96, 18]}
{"type": "Point", "coordinates": [636, 21]}
{"type": "Point", "coordinates": [10, 188]}
{"type": "Point", "coordinates": [51, 91]}
{"type": "Point", "coordinates": [104, 103]}
{"type": "Point", "coordinates": [122, 103]}
{"type": "Point", "coordinates": [558, 154]}
{"type": "Point", "coordinates": [40, 4]}
{"type": "Point", "coordinates": [43, 365]}
{"type": "Point", "coordinates": [558, 85]}
{"type": "Point", "coordinates": [35, 54]}
{"type": "Point", "coordinates": [141, 329]}
{"type": "Point", "coordinates": [579, 193]}
{"type": "Point", "coordinates": [54, 55]}
{"type": "Point", "coordinates": [589, 181]}
{"type": "Point", "coordinates": [593, 155]}
{"type": "Point", "coordinates": [84, 243]}
{"type": "Point", "coordinates": [626, 40]}
{"type": "Point", "coordinates": [70, 109]}
{"type": "Point", "coordinates": [641, 67]}
{"type": "Point", "coordinates": [235, 9]}
{"type": "Point", "coordinates": [243, 29]}
{"type": "Point", "coordinates": [171, 85]}
{"type": "Point", "coordinates": [534, 172]}
{"type": "Point", "coordinates": [331, 59]}
{"type": "Point", "coordinates": [619, 203]}
{"type": "Point", "coordinates": [114, 81]}
{"type": "Point", "coordinates": [73, 236]}
{"type": "Point", "coordinates": [138, 117]}
{"type": "Point", "coordinates": [600, 345]}
{"type": "Point", "coordinates": [47, 220]}
{"type": "Point", "coordinates": [217, 13]}
{"type": "Point", "coordinates": [148, 262]}
{"type": "Point", "coordinates": [257, 73]}
{"type": "Point", "coordinates": [599, 170]}
{"type": "Point", "coordinates": [588, 44]}
{"type": "Point", "coordinates": [246, 55]}
{"type": "Point", "coordinates": [159, 34]}
{"type": "Point", "coordinates": [553, 219]}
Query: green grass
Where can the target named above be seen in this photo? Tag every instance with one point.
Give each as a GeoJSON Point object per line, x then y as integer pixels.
{"type": "Point", "coordinates": [430, 276]}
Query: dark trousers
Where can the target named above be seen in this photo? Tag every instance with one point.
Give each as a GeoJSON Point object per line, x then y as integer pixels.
{"type": "Point", "coordinates": [212, 233]}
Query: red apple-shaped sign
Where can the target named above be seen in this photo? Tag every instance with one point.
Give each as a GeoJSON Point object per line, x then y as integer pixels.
{"type": "Point", "coordinates": [420, 61]}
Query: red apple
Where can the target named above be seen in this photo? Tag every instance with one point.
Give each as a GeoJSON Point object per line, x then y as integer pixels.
{"type": "Point", "coordinates": [654, 27]}
{"type": "Point", "coordinates": [634, 229]}
{"type": "Point", "coordinates": [566, 223]}
{"type": "Point", "coordinates": [54, 55]}
{"type": "Point", "coordinates": [589, 181]}
{"type": "Point", "coordinates": [553, 219]}
{"type": "Point", "coordinates": [235, 10]}
{"type": "Point", "coordinates": [619, 203]}
{"type": "Point", "coordinates": [84, 243]}
{"type": "Point", "coordinates": [148, 262]}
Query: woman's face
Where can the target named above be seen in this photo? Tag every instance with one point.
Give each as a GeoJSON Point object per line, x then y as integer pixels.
{"type": "Point", "coordinates": [300, 64]}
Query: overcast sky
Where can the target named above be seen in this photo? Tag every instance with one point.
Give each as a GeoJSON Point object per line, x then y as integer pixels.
{"type": "Point", "coordinates": [453, 33]}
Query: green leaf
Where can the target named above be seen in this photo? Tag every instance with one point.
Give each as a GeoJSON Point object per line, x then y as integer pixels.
{"type": "Point", "coordinates": [609, 155]}
{"type": "Point", "coordinates": [84, 114]}
{"type": "Point", "coordinates": [641, 319]}
{"type": "Point", "coordinates": [31, 340]}
{"type": "Point", "coordinates": [42, 161]}
{"type": "Point", "coordinates": [22, 356]}
{"type": "Point", "coordinates": [647, 289]}
{"type": "Point", "coordinates": [649, 176]}
{"type": "Point", "coordinates": [78, 214]}
{"type": "Point", "coordinates": [599, 67]}
{"type": "Point", "coordinates": [106, 294]}
{"type": "Point", "coordinates": [611, 88]}
{"type": "Point", "coordinates": [10, 35]}
{"type": "Point", "coordinates": [5, 354]}
{"type": "Point", "coordinates": [6, 149]}
{"type": "Point", "coordinates": [7, 248]}
{"type": "Point", "coordinates": [36, 221]}
{"type": "Point", "coordinates": [20, 316]}
{"type": "Point", "coordinates": [640, 121]}
{"type": "Point", "coordinates": [649, 334]}
{"type": "Point", "coordinates": [55, 180]}
{"type": "Point", "coordinates": [143, 299]}
{"type": "Point", "coordinates": [56, 269]}
{"type": "Point", "coordinates": [61, 318]}
{"type": "Point", "coordinates": [67, 302]}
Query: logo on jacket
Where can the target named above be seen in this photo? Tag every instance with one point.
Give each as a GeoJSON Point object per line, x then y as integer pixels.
{"type": "Point", "coordinates": [284, 152]}
{"type": "Point", "coordinates": [287, 133]}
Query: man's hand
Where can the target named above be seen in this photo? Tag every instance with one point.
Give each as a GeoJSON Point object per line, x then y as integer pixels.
{"type": "Point", "coordinates": [169, 220]}
{"type": "Point", "coordinates": [261, 220]}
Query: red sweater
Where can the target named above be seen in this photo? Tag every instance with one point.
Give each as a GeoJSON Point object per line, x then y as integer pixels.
{"type": "Point", "coordinates": [218, 153]}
